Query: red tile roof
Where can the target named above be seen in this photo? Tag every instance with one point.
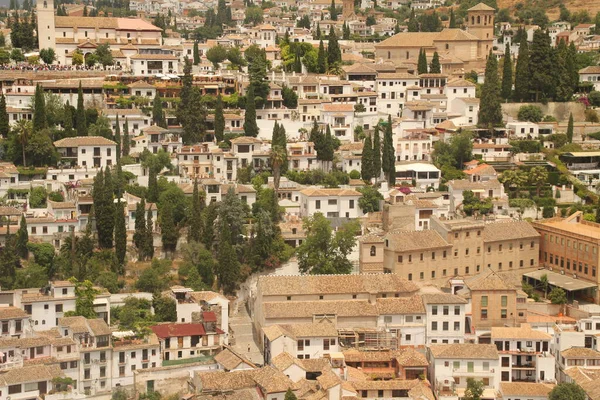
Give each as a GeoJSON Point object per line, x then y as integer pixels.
{"type": "Point", "coordinates": [209, 316]}
{"type": "Point", "coordinates": [176, 330]}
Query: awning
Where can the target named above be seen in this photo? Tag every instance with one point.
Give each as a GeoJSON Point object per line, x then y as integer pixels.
{"type": "Point", "coordinates": [566, 282]}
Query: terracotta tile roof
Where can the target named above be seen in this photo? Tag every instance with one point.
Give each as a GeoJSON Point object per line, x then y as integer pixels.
{"type": "Point", "coordinates": [525, 389]}
{"type": "Point", "coordinates": [322, 192]}
{"type": "Point", "coordinates": [580, 352]}
{"type": "Point", "coordinates": [593, 69]}
{"type": "Point", "coordinates": [157, 57]}
{"type": "Point", "coordinates": [386, 385]}
{"type": "Point", "coordinates": [295, 331]}
{"type": "Point", "coordinates": [410, 357]}
{"type": "Point", "coordinates": [99, 327]}
{"type": "Point", "coordinates": [230, 359]}
{"type": "Point", "coordinates": [406, 241]}
{"type": "Point", "coordinates": [482, 169]}
{"type": "Point", "coordinates": [442, 298]}
{"type": "Point", "coordinates": [400, 305]}
{"type": "Point", "coordinates": [355, 355]}
{"type": "Point", "coordinates": [61, 205]}
{"type": "Point", "coordinates": [330, 284]}
{"type": "Point", "coordinates": [272, 380]}
{"type": "Point", "coordinates": [522, 332]}
{"type": "Point", "coordinates": [24, 343]}
{"type": "Point", "coordinates": [306, 309]}
{"type": "Point", "coordinates": [409, 39]}
{"type": "Point", "coordinates": [460, 83]}
{"type": "Point", "coordinates": [328, 380]}
{"type": "Point", "coordinates": [245, 140]}
{"type": "Point", "coordinates": [12, 313]}
{"type": "Point", "coordinates": [463, 184]}
{"type": "Point", "coordinates": [488, 280]}
{"type": "Point", "coordinates": [220, 380]}
{"type": "Point", "coordinates": [481, 7]}
{"type": "Point", "coordinates": [464, 350]}
{"type": "Point", "coordinates": [84, 141]}
{"type": "Point", "coordinates": [511, 230]}
{"type": "Point", "coordinates": [338, 107]}
{"type": "Point", "coordinates": [396, 75]}
{"type": "Point", "coordinates": [34, 373]}
{"type": "Point", "coordinates": [75, 324]}
{"type": "Point", "coordinates": [164, 331]}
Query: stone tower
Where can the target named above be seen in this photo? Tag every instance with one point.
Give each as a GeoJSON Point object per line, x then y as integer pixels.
{"type": "Point", "coordinates": [347, 8]}
{"type": "Point", "coordinates": [480, 21]}
{"type": "Point", "coordinates": [45, 24]}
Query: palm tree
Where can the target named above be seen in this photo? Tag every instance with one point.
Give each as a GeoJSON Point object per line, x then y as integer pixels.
{"type": "Point", "coordinates": [23, 130]}
{"type": "Point", "coordinates": [335, 69]}
{"type": "Point", "coordinates": [278, 156]}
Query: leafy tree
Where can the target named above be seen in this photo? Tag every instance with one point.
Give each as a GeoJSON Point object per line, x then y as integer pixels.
{"type": "Point", "coordinates": [77, 58]}
{"type": "Point", "coordinates": [530, 113]}
{"type": "Point", "coordinates": [422, 62]}
{"type": "Point", "coordinates": [169, 231]}
{"type": "Point", "coordinates": [472, 205]}
{"type": "Point", "coordinates": [149, 241]}
{"type": "Point", "coordinates": [490, 110]}
{"type": "Point", "coordinates": [185, 94]}
{"type": "Point", "coordinates": [435, 66]}
{"type": "Point", "coordinates": [154, 279]}
{"type": "Point", "coordinates": [323, 252]}
{"type": "Point", "coordinates": [597, 219]}
{"type": "Point", "coordinates": [152, 186]}
{"type": "Point", "coordinates": [235, 57]}
{"type": "Point", "coordinates": [216, 55]}
{"type": "Point", "coordinates": [522, 75]}
{"type": "Point", "coordinates": [290, 98]}
{"type": "Point", "coordinates": [369, 201]}
{"type": "Point", "coordinates": [507, 74]}
{"type": "Point", "coordinates": [120, 234]}
{"type": "Point", "coordinates": [545, 284]}
{"type": "Point", "coordinates": [566, 68]}
{"type": "Point", "coordinates": [289, 395]}
{"type": "Point", "coordinates": [104, 208]}
{"type": "Point", "coordinates": [413, 24]}
{"type": "Point", "coordinates": [570, 129]}
{"type": "Point", "coordinates": [108, 280]}
{"type": "Point", "coordinates": [22, 238]}
{"type": "Point", "coordinates": [558, 296]}
{"type": "Point", "coordinates": [17, 55]}
{"type": "Point", "coordinates": [104, 55]}
{"type": "Point", "coordinates": [219, 119]}
{"type": "Point", "coordinates": [48, 55]}
{"type": "Point", "coordinates": [567, 391]}
{"type": "Point", "coordinates": [257, 71]}
{"type": "Point", "coordinates": [474, 389]}
{"type": "Point", "coordinates": [196, 256]}
{"type": "Point", "coordinates": [253, 15]}
{"type": "Point", "coordinates": [228, 267]}
{"type": "Point", "coordinates": [80, 117]}
{"type": "Point", "coordinates": [250, 125]}
{"type": "Point", "coordinates": [366, 163]}
{"type": "Point", "coordinates": [85, 294]}
{"type": "Point", "coordinates": [165, 308]}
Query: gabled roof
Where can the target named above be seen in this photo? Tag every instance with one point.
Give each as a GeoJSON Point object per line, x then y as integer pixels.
{"type": "Point", "coordinates": [464, 350]}
{"type": "Point", "coordinates": [84, 141]}
{"type": "Point", "coordinates": [164, 331]}
{"type": "Point", "coordinates": [481, 7]}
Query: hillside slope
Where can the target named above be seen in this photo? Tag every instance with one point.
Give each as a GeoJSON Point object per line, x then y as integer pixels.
{"type": "Point", "coordinates": [592, 7]}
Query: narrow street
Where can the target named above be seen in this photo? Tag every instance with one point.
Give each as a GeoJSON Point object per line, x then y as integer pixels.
{"type": "Point", "coordinates": [241, 324]}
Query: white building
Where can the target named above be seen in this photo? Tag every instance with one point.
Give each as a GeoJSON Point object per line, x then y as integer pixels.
{"type": "Point", "coordinates": [152, 64]}
{"type": "Point", "coordinates": [332, 203]}
{"type": "Point", "coordinates": [87, 151]}
{"type": "Point", "coordinates": [423, 175]}
{"type": "Point", "coordinates": [445, 318]}
{"type": "Point", "coordinates": [302, 341]}
{"type": "Point", "coordinates": [590, 75]}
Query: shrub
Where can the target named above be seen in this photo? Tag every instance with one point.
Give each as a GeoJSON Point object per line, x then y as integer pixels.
{"type": "Point", "coordinates": [530, 113]}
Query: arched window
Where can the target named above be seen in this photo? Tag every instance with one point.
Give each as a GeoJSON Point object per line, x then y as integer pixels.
{"type": "Point", "coordinates": [373, 251]}
{"type": "Point", "coordinates": [45, 4]}
{"type": "Point", "coordinates": [478, 19]}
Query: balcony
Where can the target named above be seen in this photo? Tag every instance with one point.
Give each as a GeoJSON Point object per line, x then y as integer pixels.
{"type": "Point", "coordinates": [471, 372]}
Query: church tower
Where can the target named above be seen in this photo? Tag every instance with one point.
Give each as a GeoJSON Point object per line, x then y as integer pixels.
{"type": "Point", "coordinates": [480, 21]}
{"type": "Point", "coordinates": [45, 24]}
{"type": "Point", "coordinates": [347, 9]}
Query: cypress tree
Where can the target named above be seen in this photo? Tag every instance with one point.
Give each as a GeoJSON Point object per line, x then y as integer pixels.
{"type": "Point", "coordinates": [109, 211]}
{"type": "Point", "coordinates": [572, 62]}
{"type": "Point", "coordinates": [334, 53]}
{"type": "Point", "coordinates": [250, 126]}
{"type": "Point", "coordinates": [195, 228]}
{"type": "Point", "coordinates": [318, 33]}
{"type": "Point", "coordinates": [376, 154]}
{"type": "Point", "coordinates": [542, 66]}
{"type": "Point", "coordinates": [452, 23]}
{"type": "Point", "coordinates": [570, 129]}
{"type": "Point", "coordinates": [139, 235]}
{"type": "Point", "coordinates": [435, 66]}
{"type": "Point", "coordinates": [228, 267]}
{"type": "Point", "coordinates": [152, 186]}
{"type": "Point", "coordinates": [149, 241]}
{"type": "Point", "coordinates": [321, 59]}
{"type": "Point", "coordinates": [117, 138]}
{"type": "Point", "coordinates": [490, 108]}
{"type": "Point", "coordinates": [522, 72]}
{"type": "Point", "coordinates": [565, 86]}
{"type": "Point", "coordinates": [196, 53]}
{"type": "Point", "coordinates": [333, 11]}
{"type": "Point", "coordinates": [388, 162]}
{"type": "Point", "coordinates": [168, 229]}
{"type": "Point", "coordinates": [80, 123]}
{"type": "Point", "coordinates": [366, 164]}
{"type": "Point", "coordinates": [507, 74]}
{"type": "Point", "coordinates": [158, 116]}
{"type": "Point", "coordinates": [98, 195]}
{"type": "Point", "coordinates": [22, 238]}
{"type": "Point", "coordinates": [120, 235]}
{"type": "Point", "coordinates": [598, 212]}
{"type": "Point", "coordinates": [183, 109]}
{"type": "Point", "coordinates": [4, 121]}
{"type": "Point", "coordinates": [328, 147]}
{"type": "Point", "coordinates": [39, 110]}
{"type": "Point", "coordinates": [413, 25]}
{"type": "Point", "coordinates": [126, 141]}
{"type": "Point", "coordinates": [219, 119]}
{"type": "Point", "coordinates": [422, 62]}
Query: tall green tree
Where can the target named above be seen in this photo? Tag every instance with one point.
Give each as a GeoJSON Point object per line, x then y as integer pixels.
{"type": "Point", "coordinates": [333, 11]}
{"type": "Point", "coordinates": [507, 74]}
{"type": "Point", "coordinates": [542, 66]}
{"type": "Point", "coordinates": [289, 395]}
{"type": "Point", "coordinates": [474, 389]}
{"type": "Point", "coordinates": [334, 53]}
{"type": "Point", "coordinates": [422, 62]}
{"type": "Point", "coordinates": [366, 163]}
{"type": "Point", "coordinates": [570, 129]}
{"type": "Point", "coordinates": [152, 185]}
{"type": "Point", "coordinates": [195, 228]}
{"type": "Point", "coordinates": [104, 208]}
{"type": "Point", "coordinates": [168, 229]}
{"type": "Point", "coordinates": [413, 24]}
{"type": "Point", "coordinates": [117, 138]}
{"type": "Point", "coordinates": [196, 53]}
{"type": "Point", "coordinates": [219, 119]}
{"type": "Point", "coordinates": [228, 266]}
{"type": "Point", "coordinates": [4, 121]}
{"type": "Point", "coordinates": [522, 75]}
{"type": "Point", "coordinates": [80, 117]}
{"type": "Point", "coordinates": [376, 153]}
{"type": "Point", "coordinates": [22, 238]}
{"type": "Point", "coordinates": [250, 125]}
{"type": "Point", "coordinates": [388, 157]}
{"type": "Point", "coordinates": [567, 391]}
{"type": "Point", "coordinates": [158, 116]}
{"type": "Point", "coordinates": [490, 108]}
{"type": "Point", "coordinates": [139, 235]}
{"type": "Point", "coordinates": [452, 23]}
{"type": "Point", "coordinates": [149, 240]}
{"type": "Point", "coordinates": [324, 252]}
{"type": "Point", "coordinates": [565, 65]}
{"type": "Point", "coordinates": [321, 59]}
{"type": "Point", "coordinates": [120, 235]}
{"type": "Point", "coordinates": [40, 120]}
{"type": "Point", "coordinates": [126, 140]}
{"type": "Point", "coordinates": [435, 67]}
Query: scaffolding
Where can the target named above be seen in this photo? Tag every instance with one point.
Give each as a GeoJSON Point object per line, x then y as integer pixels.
{"type": "Point", "coordinates": [369, 339]}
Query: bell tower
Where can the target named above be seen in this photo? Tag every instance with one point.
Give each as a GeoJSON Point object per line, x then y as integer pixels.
{"type": "Point", "coordinates": [45, 24]}
{"type": "Point", "coordinates": [480, 21]}
{"type": "Point", "coordinates": [347, 8]}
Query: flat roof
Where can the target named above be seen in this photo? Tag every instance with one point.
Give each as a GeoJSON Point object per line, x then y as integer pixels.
{"type": "Point", "coordinates": [582, 154]}
{"type": "Point", "coordinates": [562, 281]}
{"type": "Point", "coordinates": [419, 167]}
{"type": "Point", "coordinates": [578, 228]}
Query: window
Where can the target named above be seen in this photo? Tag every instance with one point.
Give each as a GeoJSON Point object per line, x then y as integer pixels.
{"type": "Point", "coordinates": [421, 275]}
{"type": "Point", "coordinates": [484, 314]}
{"type": "Point", "coordinates": [434, 325]}
{"type": "Point", "coordinates": [504, 301]}
{"type": "Point", "coordinates": [434, 310]}
{"type": "Point", "coordinates": [446, 310]}
{"type": "Point", "coordinates": [318, 204]}
{"type": "Point", "coordinates": [456, 365]}
{"type": "Point", "coordinates": [484, 301]}
{"type": "Point", "coordinates": [503, 314]}
{"type": "Point", "coordinates": [456, 310]}
{"type": "Point", "coordinates": [445, 325]}
{"type": "Point", "coordinates": [408, 338]}
{"type": "Point", "coordinates": [457, 326]}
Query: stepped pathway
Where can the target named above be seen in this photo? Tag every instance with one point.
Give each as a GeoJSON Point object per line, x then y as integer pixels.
{"type": "Point", "coordinates": [241, 324]}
